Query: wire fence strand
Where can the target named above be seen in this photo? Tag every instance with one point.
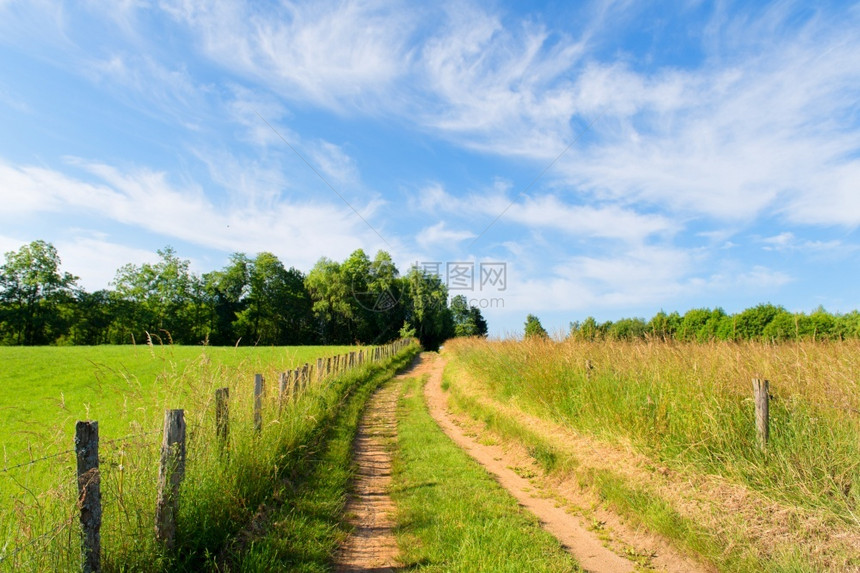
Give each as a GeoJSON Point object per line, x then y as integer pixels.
{"type": "Point", "coordinates": [32, 462]}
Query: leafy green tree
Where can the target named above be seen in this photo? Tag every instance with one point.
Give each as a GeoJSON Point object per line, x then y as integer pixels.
{"type": "Point", "coordinates": [693, 324]}
{"type": "Point", "coordinates": [783, 326]}
{"type": "Point", "coordinates": [849, 324]}
{"type": "Point", "coordinates": [427, 313]}
{"type": "Point", "coordinates": [279, 309]}
{"type": "Point", "coordinates": [468, 320]}
{"type": "Point", "coordinates": [361, 296]}
{"type": "Point", "coordinates": [587, 330]}
{"type": "Point", "coordinates": [533, 328]}
{"type": "Point", "coordinates": [751, 323]}
{"type": "Point", "coordinates": [386, 293]}
{"type": "Point", "coordinates": [162, 299]}
{"type": "Point", "coordinates": [32, 292]}
{"type": "Point", "coordinates": [331, 294]}
{"type": "Point", "coordinates": [627, 329]}
{"type": "Point", "coordinates": [824, 325]}
{"type": "Point", "coordinates": [664, 326]}
{"type": "Point", "coordinates": [92, 318]}
{"type": "Point", "coordinates": [227, 293]}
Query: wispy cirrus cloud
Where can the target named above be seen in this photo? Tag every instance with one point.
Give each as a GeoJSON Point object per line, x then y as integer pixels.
{"type": "Point", "coordinates": [549, 212]}
{"type": "Point", "coordinates": [334, 55]}
{"type": "Point", "coordinates": [440, 236]}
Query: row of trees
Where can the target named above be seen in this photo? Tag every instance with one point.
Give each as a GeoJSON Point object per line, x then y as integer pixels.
{"type": "Point", "coordinates": [764, 322]}
{"type": "Point", "coordinates": [253, 300]}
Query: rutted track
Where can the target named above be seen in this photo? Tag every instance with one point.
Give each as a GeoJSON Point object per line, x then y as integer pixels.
{"type": "Point", "coordinates": [372, 546]}
{"type": "Point", "coordinates": [569, 529]}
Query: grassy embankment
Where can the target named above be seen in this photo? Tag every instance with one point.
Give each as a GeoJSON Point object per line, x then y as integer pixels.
{"type": "Point", "coordinates": [452, 515]}
{"type": "Point", "coordinates": [221, 492]}
{"type": "Point", "coordinates": [685, 415]}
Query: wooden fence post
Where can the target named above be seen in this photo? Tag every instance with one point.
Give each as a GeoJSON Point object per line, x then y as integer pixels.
{"type": "Point", "coordinates": [762, 422]}
{"type": "Point", "coordinates": [89, 494]}
{"type": "Point", "coordinates": [258, 402]}
{"type": "Point", "coordinates": [319, 369]}
{"type": "Point", "coordinates": [170, 474]}
{"type": "Point", "coordinates": [283, 383]}
{"type": "Point", "coordinates": [222, 416]}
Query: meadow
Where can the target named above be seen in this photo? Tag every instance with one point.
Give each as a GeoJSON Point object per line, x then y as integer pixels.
{"type": "Point", "coordinates": [45, 390]}
{"type": "Point", "coordinates": [665, 433]}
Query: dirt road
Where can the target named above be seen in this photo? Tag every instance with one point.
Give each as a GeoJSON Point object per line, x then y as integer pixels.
{"type": "Point", "coordinates": [372, 546]}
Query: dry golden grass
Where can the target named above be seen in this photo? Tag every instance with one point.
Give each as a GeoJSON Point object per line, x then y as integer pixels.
{"type": "Point", "coordinates": [686, 410]}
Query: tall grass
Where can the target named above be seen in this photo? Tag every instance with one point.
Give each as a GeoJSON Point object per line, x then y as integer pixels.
{"type": "Point", "coordinates": [690, 405]}
{"type": "Point", "coordinates": [224, 488]}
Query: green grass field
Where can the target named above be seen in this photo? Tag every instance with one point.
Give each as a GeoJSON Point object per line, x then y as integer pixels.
{"type": "Point", "coordinates": [45, 390]}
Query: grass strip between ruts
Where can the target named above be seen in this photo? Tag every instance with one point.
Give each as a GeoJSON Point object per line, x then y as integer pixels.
{"type": "Point", "coordinates": [451, 514]}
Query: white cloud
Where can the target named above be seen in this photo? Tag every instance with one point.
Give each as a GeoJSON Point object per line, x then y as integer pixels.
{"type": "Point", "coordinates": [334, 55]}
{"type": "Point", "coordinates": [297, 232]}
{"type": "Point", "coordinates": [548, 212]}
{"type": "Point", "coordinates": [439, 235]}
{"type": "Point", "coordinates": [779, 241]}
{"type": "Point", "coordinates": [788, 242]}
{"type": "Point", "coordinates": [335, 164]}
{"type": "Point", "coordinates": [498, 89]}
{"type": "Point", "coordinates": [97, 259]}
{"type": "Point", "coordinates": [743, 134]}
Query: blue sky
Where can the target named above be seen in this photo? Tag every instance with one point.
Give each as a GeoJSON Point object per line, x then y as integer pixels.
{"type": "Point", "coordinates": [618, 157]}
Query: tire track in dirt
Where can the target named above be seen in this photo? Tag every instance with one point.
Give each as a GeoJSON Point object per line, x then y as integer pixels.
{"type": "Point", "coordinates": [570, 530]}
{"type": "Point", "coordinates": [372, 545]}
{"type": "Point", "coordinates": [577, 540]}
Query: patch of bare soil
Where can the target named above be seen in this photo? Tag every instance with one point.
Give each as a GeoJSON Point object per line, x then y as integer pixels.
{"type": "Point", "coordinates": [372, 546]}
{"type": "Point", "coordinates": [556, 503]}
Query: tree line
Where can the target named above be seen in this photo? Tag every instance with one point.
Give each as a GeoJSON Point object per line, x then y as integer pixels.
{"type": "Point", "coordinates": [252, 301]}
{"type": "Point", "coordinates": [764, 322]}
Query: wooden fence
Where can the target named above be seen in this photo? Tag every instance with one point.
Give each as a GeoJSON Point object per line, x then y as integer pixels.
{"type": "Point", "coordinates": [172, 461]}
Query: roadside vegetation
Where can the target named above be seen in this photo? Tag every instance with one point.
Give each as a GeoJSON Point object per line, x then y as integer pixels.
{"type": "Point", "coordinates": [452, 516]}
{"type": "Point", "coordinates": [229, 491]}
{"type": "Point", "coordinates": [665, 415]}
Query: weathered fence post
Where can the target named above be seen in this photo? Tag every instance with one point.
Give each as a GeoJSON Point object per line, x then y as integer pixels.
{"type": "Point", "coordinates": [170, 474]}
{"type": "Point", "coordinates": [89, 494]}
{"type": "Point", "coordinates": [319, 369]}
{"type": "Point", "coordinates": [283, 384]}
{"type": "Point", "coordinates": [222, 416]}
{"type": "Point", "coordinates": [258, 402]}
{"type": "Point", "coordinates": [762, 422]}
